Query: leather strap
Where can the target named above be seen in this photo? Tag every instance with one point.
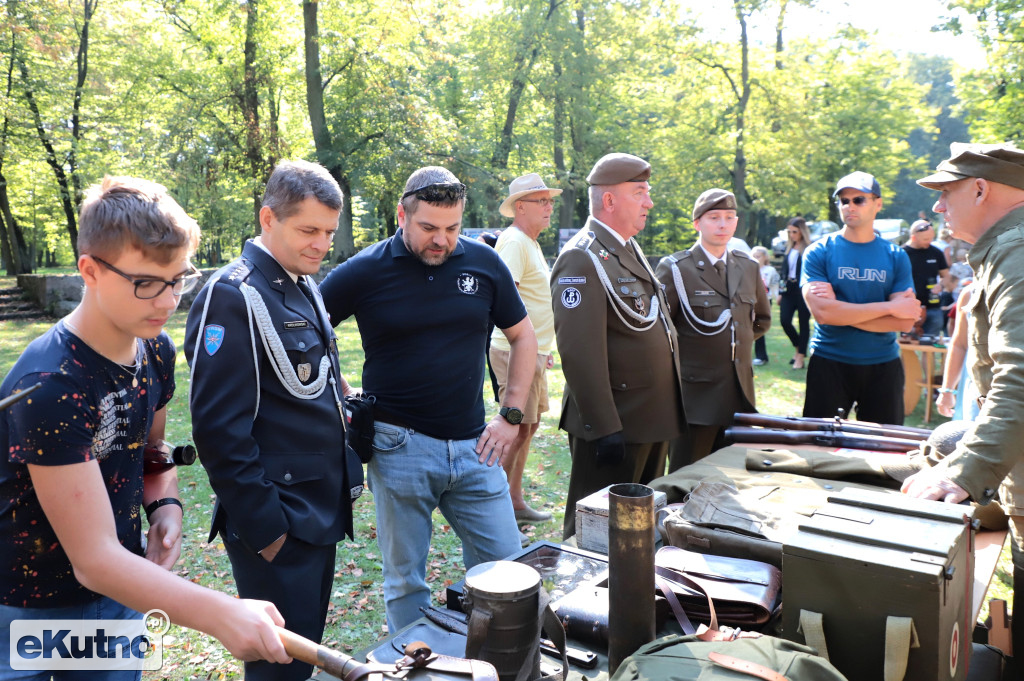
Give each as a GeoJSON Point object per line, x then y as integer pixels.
{"type": "Point", "coordinates": [746, 667]}
{"type": "Point", "coordinates": [674, 577]}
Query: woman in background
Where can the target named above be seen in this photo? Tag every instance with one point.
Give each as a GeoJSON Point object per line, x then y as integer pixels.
{"type": "Point", "coordinates": [770, 278]}
{"type": "Point", "coordinates": [790, 299]}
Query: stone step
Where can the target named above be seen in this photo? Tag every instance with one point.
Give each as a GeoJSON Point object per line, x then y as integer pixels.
{"type": "Point", "coordinates": [14, 305]}
{"type": "Point", "coordinates": [24, 315]}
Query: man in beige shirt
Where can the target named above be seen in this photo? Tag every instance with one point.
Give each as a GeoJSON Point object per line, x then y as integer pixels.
{"type": "Point", "coordinates": [530, 204]}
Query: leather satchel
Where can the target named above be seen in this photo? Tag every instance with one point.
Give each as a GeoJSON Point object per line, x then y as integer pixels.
{"type": "Point", "coordinates": [745, 592]}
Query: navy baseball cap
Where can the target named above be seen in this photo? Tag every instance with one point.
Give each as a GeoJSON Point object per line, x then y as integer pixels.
{"type": "Point", "coordinates": [862, 182]}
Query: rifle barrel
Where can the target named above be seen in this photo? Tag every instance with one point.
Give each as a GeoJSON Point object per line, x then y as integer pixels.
{"type": "Point", "coordinates": [820, 438]}
{"type": "Point", "coordinates": [800, 423]}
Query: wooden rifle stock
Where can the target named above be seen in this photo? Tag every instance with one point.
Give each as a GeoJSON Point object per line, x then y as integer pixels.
{"type": "Point", "coordinates": [820, 438]}
{"type": "Point", "coordinates": [831, 426]}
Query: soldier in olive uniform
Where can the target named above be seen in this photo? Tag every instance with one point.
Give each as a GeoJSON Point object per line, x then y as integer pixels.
{"type": "Point", "coordinates": [622, 403]}
{"type": "Point", "coordinates": [982, 198]}
{"type": "Point", "coordinates": [720, 307]}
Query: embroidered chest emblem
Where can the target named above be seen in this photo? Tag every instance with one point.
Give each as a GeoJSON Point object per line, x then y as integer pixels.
{"type": "Point", "coordinates": [468, 283]}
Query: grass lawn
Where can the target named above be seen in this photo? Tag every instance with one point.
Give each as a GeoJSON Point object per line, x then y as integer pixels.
{"type": "Point", "coordinates": [356, 616]}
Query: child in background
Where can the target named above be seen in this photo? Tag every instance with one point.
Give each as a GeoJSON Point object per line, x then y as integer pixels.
{"type": "Point", "coordinates": [947, 301]}
{"type": "Point", "coordinates": [770, 277]}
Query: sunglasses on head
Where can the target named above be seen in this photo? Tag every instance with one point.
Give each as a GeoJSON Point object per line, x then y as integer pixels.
{"type": "Point", "coordinates": [856, 200]}
{"type": "Point", "coordinates": [438, 192]}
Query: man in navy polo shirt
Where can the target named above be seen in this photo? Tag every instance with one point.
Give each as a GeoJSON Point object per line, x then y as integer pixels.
{"type": "Point", "coordinates": [423, 300]}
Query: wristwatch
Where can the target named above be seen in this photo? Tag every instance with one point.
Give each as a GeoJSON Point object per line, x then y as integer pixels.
{"type": "Point", "coordinates": [511, 414]}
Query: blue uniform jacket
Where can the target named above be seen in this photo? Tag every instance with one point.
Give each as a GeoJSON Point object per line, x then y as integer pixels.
{"type": "Point", "coordinates": [278, 463]}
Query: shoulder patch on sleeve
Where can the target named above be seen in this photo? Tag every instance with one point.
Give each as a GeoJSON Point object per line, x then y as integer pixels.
{"type": "Point", "coordinates": [213, 338]}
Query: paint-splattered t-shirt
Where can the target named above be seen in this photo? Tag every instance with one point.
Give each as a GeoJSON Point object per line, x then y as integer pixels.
{"type": "Point", "coordinates": [87, 407]}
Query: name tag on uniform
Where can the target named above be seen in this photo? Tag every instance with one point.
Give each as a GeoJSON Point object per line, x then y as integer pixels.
{"type": "Point", "coordinates": [703, 293]}
{"type": "Point", "coordinates": [301, 324]}
{"type": "Point", "coordinates": [572, 280]}
{"type": "Point", "coordinates": [627, 280]}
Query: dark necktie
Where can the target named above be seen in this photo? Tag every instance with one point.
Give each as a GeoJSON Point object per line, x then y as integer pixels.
{"type": "Point", "coordinates": [720, 270]}
{"type": "Point", "coordinates": [306, 291]}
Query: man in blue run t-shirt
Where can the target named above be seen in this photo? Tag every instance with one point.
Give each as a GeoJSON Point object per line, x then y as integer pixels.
{"type": "Point", "coordinates": [72, 488]}
{"type": "Point", "coordinates": [424, 300]}
{"type": "Point", "coordinates": [859, 288]}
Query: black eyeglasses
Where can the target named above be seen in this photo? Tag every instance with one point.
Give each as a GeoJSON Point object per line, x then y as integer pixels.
{"type": "Point", "coordinates": [438, 192]}
{"type": "Point", "coordinates": [544, 202]}
{"type": "Point", "coordinates": [147, 288]}
{"type": "Point", "coordinates": [857, 201]}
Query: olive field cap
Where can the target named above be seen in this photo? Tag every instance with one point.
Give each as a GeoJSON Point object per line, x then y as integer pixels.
{"type": "Point", "coordinates": [714, 199]}
{"type": "Point", "coordinates": [920, 226]}
{"type": "Point", "coordinates": [520, 187]}
{"type": "Point", "coordinates": [1002, 163]}
{"type": "Point", "coordinates": [618, 168]}
{"type": "Point", "coordinates": [862, 182]}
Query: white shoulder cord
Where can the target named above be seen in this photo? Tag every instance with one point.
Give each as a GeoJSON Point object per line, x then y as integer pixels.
{"type": "Point", "coordinates": [646, 321]}
{"type": "Point", "coordinates": [655, 283]}
{"type": "Point", "coordinates": [718, 325]}
{"type": "Point", "coordinates": [277, 354]}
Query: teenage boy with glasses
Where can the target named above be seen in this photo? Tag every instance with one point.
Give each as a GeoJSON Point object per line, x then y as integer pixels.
{"type": "Point", "coordinates": [859, 288]}
{"type": "Point", "coordinates": [71, 477]}
{"type": "Point", "coordinates": [423, 300]}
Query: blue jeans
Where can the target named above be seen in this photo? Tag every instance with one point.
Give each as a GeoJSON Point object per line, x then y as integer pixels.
{"type": "Point", "coordinates": [101, 609]}
{"type": "Point", "coordinates": [410, 475]}
{"type": "Point", "coordinates": [934, 322]}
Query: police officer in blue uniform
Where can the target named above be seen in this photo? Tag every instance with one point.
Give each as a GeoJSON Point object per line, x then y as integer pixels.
{"type": "Point", "coordinates": [267, 419]}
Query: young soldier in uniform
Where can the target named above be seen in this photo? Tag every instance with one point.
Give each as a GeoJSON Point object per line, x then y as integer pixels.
{"type": "Point", "coordinates": [71, 478]}
{"type": "Point", "coordinates": [719, 305]}
{"type": "Point", "coordinates": [266, 408]}
{"type": "Point", "coordinates": [622, 403]}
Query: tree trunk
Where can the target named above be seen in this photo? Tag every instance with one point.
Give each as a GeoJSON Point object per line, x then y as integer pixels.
{"type": "Point", "coordinates": [15, 250]}
{"type": "Point", "coordinates": [81, 72]}
{"type": "Point", "coordinates": [344, 242]}
{"type": "Point", "coordinates": [250, 105]}
{"type": "Point", "coordinates": [744, 229]}
{"type": "Point", "coordinates": [66, 196]}
{"type": "Point", "coordinates": [12, 240]}
{"type": "Point", "coordinates": [524, 63]}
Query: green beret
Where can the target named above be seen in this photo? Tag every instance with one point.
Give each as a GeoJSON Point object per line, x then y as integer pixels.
{"type": "Point", "coordinates": [618, 168]}
{"type": "Point", "coordinates": [714, 199]}
{"type": "Point", "coordinates": [1002, 163]}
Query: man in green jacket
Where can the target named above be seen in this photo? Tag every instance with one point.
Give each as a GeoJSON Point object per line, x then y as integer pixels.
{"type": "Point", "coordinates": [982, 198]}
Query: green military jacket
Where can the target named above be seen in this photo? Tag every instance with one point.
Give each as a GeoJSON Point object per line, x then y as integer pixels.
{"type": "Point", "coordinates": [718, 376]}
{"type": "Point", "coordinates": [994, 449]}
{"type": "Point", "coordinates": [616, 341]}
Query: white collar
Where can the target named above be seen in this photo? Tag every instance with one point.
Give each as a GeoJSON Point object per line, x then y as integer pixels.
{"type": "Point", "coordinates": [615, 234]}
{"type": "Point", "coordinates": [712, 258]}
